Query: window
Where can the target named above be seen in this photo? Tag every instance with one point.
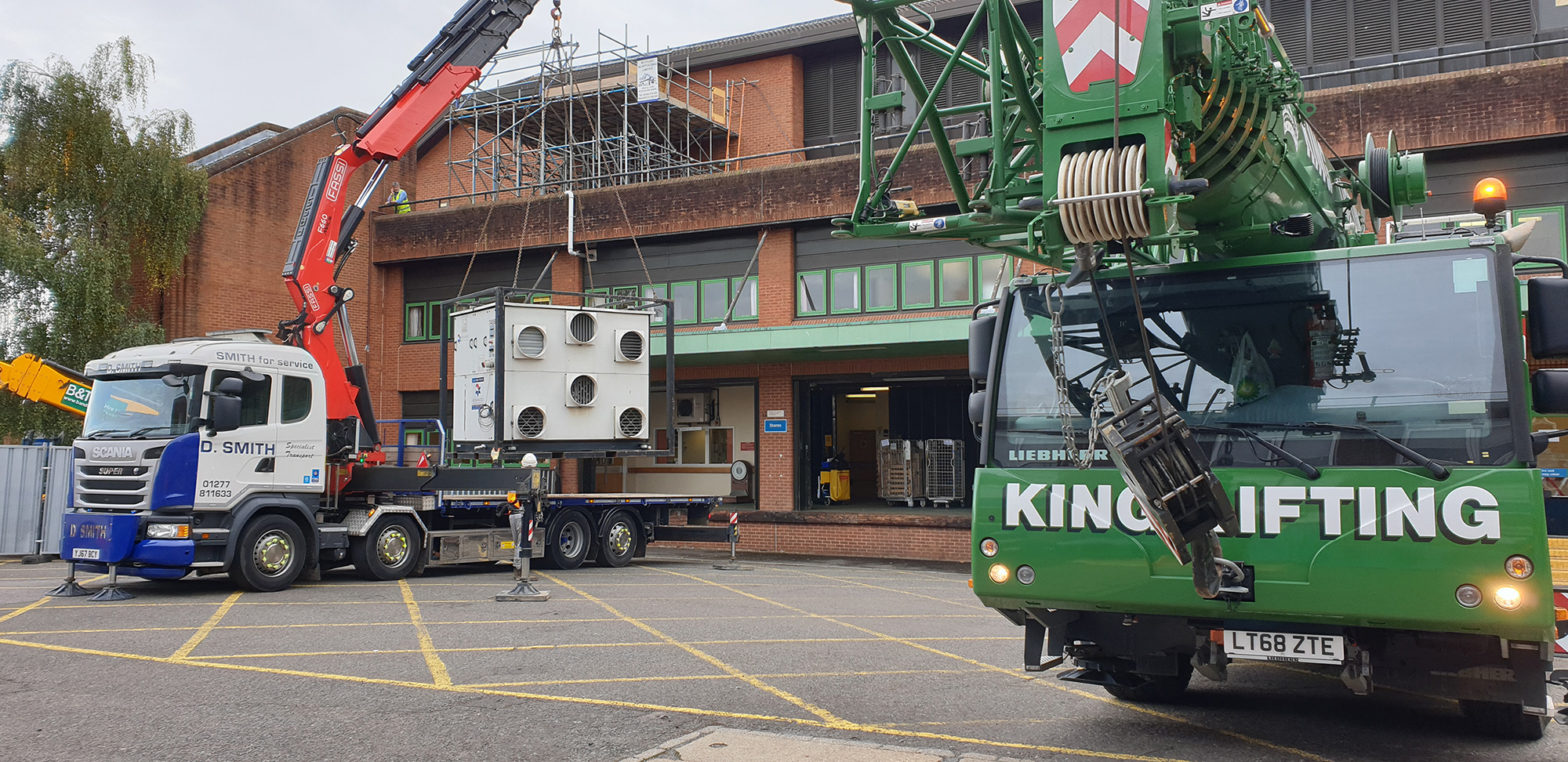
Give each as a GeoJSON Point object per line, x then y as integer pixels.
{"type": "Point", "coordinates": [705, 446]}
{"type": "Point", "coordinates": [845, 296]}
{"type": "Point", "coordinates": [811, 296]}
{"type": "Point", "coordinates": [1548, 238]}
{"type": "Point", "coordinates": [746, 304]}
{"type": "Point", "coordinates": [296, 399]}
{"type": "Point", "coordinates": [958, 286]}
{"type": "Point", "coordinates": [255, 397]}
{"type": "Point", "coordinates": [597, 297]}
{"type": "Point", "coordinates": [685, 297]}
{"type": "Point", "coordinates": [416, 325]}
{"type": "Point", "coordinates": [992, 271]}
{"type": "Point", "coordinates": [660, 291]}
{"type": "Point", "coordinates": [624, 298]}
{"type": "Point", "coordinates": [918, 292]}
{"type": "Point", "coordinates": [715, 300]}
{"type": "Point", "coordinates": [881, 288]}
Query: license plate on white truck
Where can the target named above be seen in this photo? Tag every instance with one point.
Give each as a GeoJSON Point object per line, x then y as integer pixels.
{"type": "Point", "coordinates": [1285, 646]}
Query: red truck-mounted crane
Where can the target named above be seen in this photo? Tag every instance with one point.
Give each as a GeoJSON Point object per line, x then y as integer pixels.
{"type": "Point", "coordinates": [324, 238]}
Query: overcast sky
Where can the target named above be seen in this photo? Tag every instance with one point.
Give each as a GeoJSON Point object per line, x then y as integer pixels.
{"type": "Point", "coordinates": [232, 64]}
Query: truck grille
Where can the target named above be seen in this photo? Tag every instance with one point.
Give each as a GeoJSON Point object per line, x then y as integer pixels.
{"type": "Point", "coordinates": [113, 487]}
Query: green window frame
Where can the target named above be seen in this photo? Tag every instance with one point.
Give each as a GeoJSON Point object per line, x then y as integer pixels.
{"type": "Point", "coordinates": [805, 304]}
{"type": "Point", "coordinates": [713, 300]}
{"type": "Point", "coordinates": [916, 298]}
{"type": "Point", "coordinates": [620, 303]}
{"type": "Point", "coordinates": [875, 298]}
{"type": "Point", "coordinates": [685, 313]}
{"type": "Point", "coordinates": [949, 270]}
{"type": "Point", "coordinates": [416, 321]}
{"type": "Point", "coordinates": [747, 306]}
{"type": "Point", "coordinates": [838, 289]}
{"type": "Point", "coordinates": [657, 291]}
{"type": "Point", "coordinates": [986, 285]}
{"type": "Point", "coordinates": [597, 297]}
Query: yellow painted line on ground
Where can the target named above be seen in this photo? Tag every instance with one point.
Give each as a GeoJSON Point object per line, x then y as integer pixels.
{"type": "Point", "coordinates": [298, 625]}
{"type": "Point", "coordinates": [206, 629]}
{"type": "Point", "coordinates": [41, 601]}
{"type": "Point", "coordinates": [1013, 673]}
{"type": "Point", "coordinates": [591, 702]}
{"type": "Point", "coordinates": [967, 601]}
{"type": "Point", "coordinates": [438, 673]}
{"type": "Point", "coordinates": [819, 712]}
{"type": "Point", "coordinates": [472, 649]}
{"type": "Point", "coordinates": [774, 676]}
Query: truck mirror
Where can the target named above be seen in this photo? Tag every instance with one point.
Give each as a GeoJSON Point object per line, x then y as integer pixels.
{"type": "Point", "coordinates": [982, 332]}
{"type": "Point", "coordinates": [1549, 391]}
{"type": "Point", "coordinates": [977, 407]}
{"type": "Point", "coordinates": [225, 413]}
{"type": "Point", "coordinates": [1548, 317]}
{"type": "Point", "coordinates": [231, 387]}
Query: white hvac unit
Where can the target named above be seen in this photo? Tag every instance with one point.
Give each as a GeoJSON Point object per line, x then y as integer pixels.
{"type": "Point", "coordinates": [568, 374]}
{"type": "Point", "coordinates": [692, 407]}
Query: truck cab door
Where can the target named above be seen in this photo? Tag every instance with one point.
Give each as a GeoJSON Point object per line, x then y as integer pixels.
{"type": "Point", "coordinates": [300, 465]}
{"type": "Point", "coordinates": [242, 460]}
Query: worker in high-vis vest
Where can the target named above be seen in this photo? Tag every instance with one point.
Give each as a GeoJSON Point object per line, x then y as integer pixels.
{"type": "Point", "coordinates": [400, 197]}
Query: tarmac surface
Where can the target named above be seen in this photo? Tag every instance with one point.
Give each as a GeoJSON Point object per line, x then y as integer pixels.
{"type": "Point", "coordinates": [669, 658]}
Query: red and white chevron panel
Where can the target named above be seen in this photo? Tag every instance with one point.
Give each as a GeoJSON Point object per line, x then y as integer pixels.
{"type": "Point", "coordinates": [1086, 32]}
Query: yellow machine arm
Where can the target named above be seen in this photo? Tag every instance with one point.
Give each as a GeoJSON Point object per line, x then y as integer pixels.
{"type": "Point", "coordinates": [33, 378]}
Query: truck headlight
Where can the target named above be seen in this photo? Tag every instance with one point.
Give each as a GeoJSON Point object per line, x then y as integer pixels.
{"type": "Point", "coordinates": [988, 547]}
{"type": "Point", "coordinates": [999, 573]}
{"type": "Point", "coordinates": [1507, 598]}
{"type": "Point", "coordinates": [168, 531]}
{"type": "Point", "coordinates": [1519, 567]}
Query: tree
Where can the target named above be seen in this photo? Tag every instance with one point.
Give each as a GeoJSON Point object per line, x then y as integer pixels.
{"type": "Point", "coordinates": [96, 204]}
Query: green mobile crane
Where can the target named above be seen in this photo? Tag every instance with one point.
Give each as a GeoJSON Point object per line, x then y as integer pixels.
{"type": "Point", "coordinates": [1229, 423]}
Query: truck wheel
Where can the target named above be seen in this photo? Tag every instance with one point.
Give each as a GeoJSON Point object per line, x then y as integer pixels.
{"type": "Point", "coordinates": [270, 555]}
{"type": "Point", "coordinates": [389, 550]}
{"type": "Point", "coordinates": [1153, 689]}
{"type": "Point", "coordinates": [568, 539]}
{"type": "Point", "coordinates": [1503, 720]}
{"type": "Point", "coordinates": [619, 542]}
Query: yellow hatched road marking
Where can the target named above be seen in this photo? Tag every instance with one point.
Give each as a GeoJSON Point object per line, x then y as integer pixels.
{"type": "Point", "coordinates": [473, 649]}
{"type": "Point", "coordinates": [438, 673]}
{"type": "Point", "coordinates": [821, 713]}
{"type": "Point", "coordinates": [41, 601]}
{"type": "Point", "coordinates": [1012, 673]}
{"type": "Point", "coordinates": [206, 629]}
{"type": "Point", "coordinates": [591, 702]}
{"type": "Point", "coordinates": [949, 601]}
{"type": "Point", "coordinates": [774, 676]}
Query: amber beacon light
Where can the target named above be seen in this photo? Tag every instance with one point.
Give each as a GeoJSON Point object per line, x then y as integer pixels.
{"type": "Point", "coordinates": [1491, 198]}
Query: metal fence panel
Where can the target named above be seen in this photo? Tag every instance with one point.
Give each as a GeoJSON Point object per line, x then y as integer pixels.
{"type": "Point", "coordinates": [23, 493]}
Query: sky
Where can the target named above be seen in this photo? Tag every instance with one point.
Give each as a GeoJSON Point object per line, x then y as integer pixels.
{"type": "Point", "coordinates": [233, 64]}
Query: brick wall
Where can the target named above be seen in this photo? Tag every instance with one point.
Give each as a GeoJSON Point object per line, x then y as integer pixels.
{"type": "Point", "coordinates": [766, 108]}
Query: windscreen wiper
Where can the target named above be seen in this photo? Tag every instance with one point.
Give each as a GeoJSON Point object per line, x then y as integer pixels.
{"type": "Point", "coordinates": [1306, 468]}
{"type": "Point", "coordinates": [1438, 470]}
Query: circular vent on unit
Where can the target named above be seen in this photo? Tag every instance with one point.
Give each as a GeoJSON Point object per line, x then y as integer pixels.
{"type": "Point", "coordinates": [583, 390]}
{"type": "Point", "coordinates": [583, 327]}
{"type": "Point", "coordinates": [630, 423]}
{"type": "Point", "coordinates": [530, 423]}
{"type": "Point", "coordinates": [631, 346]}
{"type": "Point", "coordinates": [530, 342]}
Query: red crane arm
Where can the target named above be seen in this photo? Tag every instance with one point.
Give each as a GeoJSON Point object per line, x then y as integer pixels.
{"type": "Point", "coordinates": [323, 240]}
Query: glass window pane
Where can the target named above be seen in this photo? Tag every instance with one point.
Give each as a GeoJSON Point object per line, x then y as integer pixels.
{"type": "Point", "coordinates": [296, 399]}
{"type": "Point", "coordinates": [882, 288]}
{"type": "Point", "coordinates": [917, 284]}
{"type": "Point", "coordinates": [846, 290]}
{"type": "Point", "coordinates": [694, 446]}
{"type": "Point", "coordinates": [992, 270]}
{"type": "Point", "coordinates": [811, 296]}
{"type": "Point", "coordinates": [746, 306]}
{"type": "Point", "coordinates": [715, 300]}
{"type": "Point", "coordinates": [957, 286]}
{"type": "Point", "coordinates": [657, 292]}
{"type": "Point", "coordinates": [685, 297]}
{"type": "Point", "coordinates": [414, 323]}
{"type": "Point", "coordinates": [255, 397]}
{"type": "Point", "coordinates": [718, 445]}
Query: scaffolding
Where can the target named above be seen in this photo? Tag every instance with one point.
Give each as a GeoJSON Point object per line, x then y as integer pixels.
{"type": "Point", "coordinates": [556, 116]}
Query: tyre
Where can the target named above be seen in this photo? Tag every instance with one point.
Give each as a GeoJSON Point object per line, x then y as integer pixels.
{"type": "Point", "coordinates": [567, 542]}
{"type": "Point", "coordinates": [1503, 720]}
{"type": "Point", "coordinates": [389, 550]}
{"type": "Point", "coordinates": [270, 555]}
{"type": "Point", "coordinates": [619, 543]}
{"type": "Point", "coordinates": [1153, 689]}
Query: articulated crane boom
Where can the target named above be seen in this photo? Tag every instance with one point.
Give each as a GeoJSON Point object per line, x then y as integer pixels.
{"type": "Point", "coordinates": [324, 238]}
{"type": "Point", "coordinates": [34, 378]}
{"type": "Point", "coordinates": [1196, 145]}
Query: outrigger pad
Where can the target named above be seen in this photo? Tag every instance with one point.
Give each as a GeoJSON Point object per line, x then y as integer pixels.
{"type": "Point", "coordinates": [1171, 476]}
{"type": "Point", "coordinates": [111, 593]}
{"type": "Point", "coordinates": [68, 589]}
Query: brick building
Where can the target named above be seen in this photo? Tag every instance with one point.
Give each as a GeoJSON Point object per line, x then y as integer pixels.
{"type": "Point", "coordinates": [792, 345]}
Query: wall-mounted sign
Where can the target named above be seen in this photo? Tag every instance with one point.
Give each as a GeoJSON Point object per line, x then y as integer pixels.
{"type": "Point", "coordinates": [776, 426]}
{"type": "Point", "coordinates": [775, 413]}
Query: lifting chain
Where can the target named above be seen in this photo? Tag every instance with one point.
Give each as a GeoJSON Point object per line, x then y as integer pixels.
{"type": "Point", "coordinates": [555, 17]}
{"type": "Point", "coordinates": [1065, 412]}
